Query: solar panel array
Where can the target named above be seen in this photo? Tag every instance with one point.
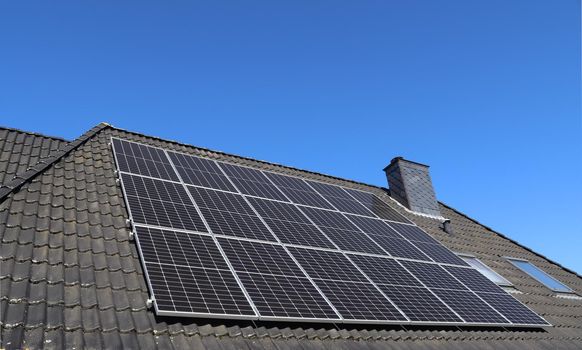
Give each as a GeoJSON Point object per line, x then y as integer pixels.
{"type": "Point", "coordinates": [223, 240]}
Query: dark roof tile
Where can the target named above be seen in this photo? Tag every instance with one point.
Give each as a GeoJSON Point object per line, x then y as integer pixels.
{"type": "Point", "coordinates": [107, 318]}
{"type": "Point", "coordinates": [34, 338]}
{"type": "Point", "coordinates": [129, 340]}
{"type": "Point", "coordinates": [14, 314]}
{"type": "Point", "coordinates": [12, 337]}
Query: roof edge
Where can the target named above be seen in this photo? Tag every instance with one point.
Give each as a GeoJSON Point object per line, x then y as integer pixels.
{"type": "Point", "coordinates": [34, 133]}
{"type": "Point", "coordinates": [512, 240]}
{"type": "Point", "coordinates": [20, 179]}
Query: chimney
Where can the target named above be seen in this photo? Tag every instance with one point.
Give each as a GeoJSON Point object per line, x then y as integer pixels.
{"type": "Point", "coordinates": [410, 185]}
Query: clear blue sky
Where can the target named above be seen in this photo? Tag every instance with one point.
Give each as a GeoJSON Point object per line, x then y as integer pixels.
{"type": "Point", "coordinates": [486, 92]}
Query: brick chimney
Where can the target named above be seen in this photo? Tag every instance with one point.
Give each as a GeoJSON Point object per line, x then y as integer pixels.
{"type": "Point", "coordinates": [410, 184]}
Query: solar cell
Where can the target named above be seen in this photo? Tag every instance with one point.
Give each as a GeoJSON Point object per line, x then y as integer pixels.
{"type": "Point", "coordinates": [473, 279]}
{"type": "Point", "coordinates": [400, 248]}
{"type": "Point", "coordinates": [377, 206]}
{"type": "Point", "coordinates": [286, 297]}
{"type": "Point", "coordinates": [229, 214]}
{"type": "Point", "coordinates": [298, 191]}
{"type": "Point", "coordinates": [200, 172]}
{"type": "Point", "coordinates": [512, 309]}
{"type": "Point", "coordinates": [432, 275]}
{"type": "Point", "coordinates": [440, 254]}
{"type": "Point", "coordinates": [419, 304]}
{"type": "Point", "coordinates": [252, 182]}
{"type": "Point", "coordinates": [143, 160]}
{"type": "Point", "coordinates": [384, 270]}
{"type": "Point", "coordinates": [326, 264]}
{"type": "Point", "coordinates": [352, 241]}
{"type": "Point", "coordinates": [359, 301]}
{"type": "Point", "coordinates": [160, 203]}
{"type": "Point", "coordinates": [467, 305]}
{"type": "Point", "coordinates": [245, 256]}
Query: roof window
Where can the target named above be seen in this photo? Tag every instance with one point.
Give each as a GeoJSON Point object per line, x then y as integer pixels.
{"type": "Point", "coordinates": [540, 275]}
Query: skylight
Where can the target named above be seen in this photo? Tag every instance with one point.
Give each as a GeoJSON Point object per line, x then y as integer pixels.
{"type": "Point", "coordinates": [540, 275]}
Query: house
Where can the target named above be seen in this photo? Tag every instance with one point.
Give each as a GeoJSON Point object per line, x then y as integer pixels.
{"type": "Point", "coordinates": [71, 275]}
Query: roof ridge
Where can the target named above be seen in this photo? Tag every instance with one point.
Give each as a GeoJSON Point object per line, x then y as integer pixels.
{"type": "Point", "coordinates": [34, 133]}
{"type": "Point", "coordinates": [248, 158]}
{"type": "Point", "coordinates": [511, 240]}
{"type": "Point", "coordinates": [45, 163]}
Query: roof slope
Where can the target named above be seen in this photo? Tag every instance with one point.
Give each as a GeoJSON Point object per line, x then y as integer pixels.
{"type": "Point", "coordinates": [20, 150]}
{"type": "Point", "coordinates": [71, 277]}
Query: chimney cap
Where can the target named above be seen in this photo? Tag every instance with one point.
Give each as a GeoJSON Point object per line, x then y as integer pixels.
{"type": "Point", "coordinates": [399, 158]}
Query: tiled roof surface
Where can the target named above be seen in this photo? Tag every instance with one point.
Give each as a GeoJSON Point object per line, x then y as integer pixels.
{"type": "Point", "coordinates": [70, 277]}
{"type": "Point", "coordinates": [20, 150]}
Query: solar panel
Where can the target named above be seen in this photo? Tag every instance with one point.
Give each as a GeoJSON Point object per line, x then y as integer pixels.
{"type": "Point", "coordinates": [144, 160]}
{"type": "Point", "coordinates": [432, 275]}
{"type": "Point", "coordinates": [357, 301]}
{"type": "Point", "coordinates": [289, 224]}
{"type": "Point", "coordinates": [298, 233]}
{"type": "Point", "coordinates": [221, 240]}
{"type": "Point", "coordinates": [469, 306]}
{"type": "Point", "coordinates": [353, 241]}
{"type": "Point", "coordinates": [179, 248]}
{"type": "Point", "coordinates": [200, 172]}
{"type": "Point", "coordinates": [194, 291]}
{"type": "Point", "coordinates": [440, 254]}
{"type": "Point", "coordinates": [229, 214]}
{"type": "Point", "coordinates": [160, 203]}
{"type": "Point", "coordinates": [512, 309]}
{"type": "Point", "coordinates": [298, 191]}
{"type": "Point", "coordinates": [252, 182]}
{"type": "Point", "coordinates": [324, 264]}
{"type": "Point", "coordinates": [399, 248]}
{"type": "Point", "coordinates": [419, 304]}
{"type": "Point", "coordinates": [382, 270]}
{"type": "Point", "coordinates": [473, 279]}
{"type": "Point", "coordinates": [374, 226]}
{"type": "Point", "coordinates": [413, 233]}
{"type": "Point", "coordinates": [188, 274]}
{"type": "Point", "coordinates": [329, 219]}
{"type": "Point", "coordinates": [280, 297]}
{"type": "Point", "coordinates": [255, 257]}
{"type": "Point", "coordinates": [340, 199]}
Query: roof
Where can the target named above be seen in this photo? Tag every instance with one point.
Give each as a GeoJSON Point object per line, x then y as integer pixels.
{"type": "Point", "coordinates": [71, 277]}
{"type": "Point", "coordinates": [21, 150]}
